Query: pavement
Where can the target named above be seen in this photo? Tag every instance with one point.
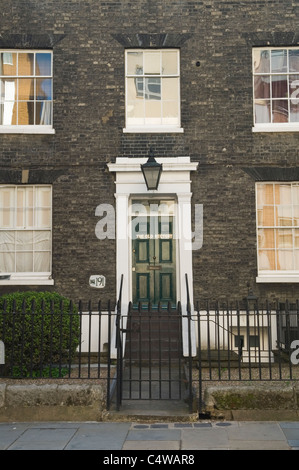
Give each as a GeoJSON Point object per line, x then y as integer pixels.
{"type": "Point", "coordinates": [178, 438]}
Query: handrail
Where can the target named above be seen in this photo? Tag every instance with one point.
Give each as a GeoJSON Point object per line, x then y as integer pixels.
{"type": "Point", "coordinates": [189, 346]}
{"type": "Point", "coordinates": [118, 345]}
{"type": "Point", "coordinates": [120, 293]}
{"type": "Point", "coordinates": [188, 295]}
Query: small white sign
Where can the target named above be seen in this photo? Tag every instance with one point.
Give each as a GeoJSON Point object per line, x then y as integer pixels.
{"type": "Point", "coordinates": [2, 353]}
{"type": "Point", "coordinates": [97, 281]}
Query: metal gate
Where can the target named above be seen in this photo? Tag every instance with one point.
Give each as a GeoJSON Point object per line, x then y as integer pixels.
{"type": "Point", "coordinates": [150, 363]}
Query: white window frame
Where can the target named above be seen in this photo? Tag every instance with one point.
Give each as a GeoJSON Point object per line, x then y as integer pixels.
{"type": "Point", "coordinates": [35, 128]}
{"type": "Point", "coordinates": [277, 276]}
{"type": "Point", "coordinates": [273, 127]}
{"type": "Point", "coordinates": [147, 128]}
{"type": "Point", "coordinates": [28, 278]}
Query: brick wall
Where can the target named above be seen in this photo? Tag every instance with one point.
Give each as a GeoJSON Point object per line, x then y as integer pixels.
{"type": "Point", "coordinates": [88, 41]}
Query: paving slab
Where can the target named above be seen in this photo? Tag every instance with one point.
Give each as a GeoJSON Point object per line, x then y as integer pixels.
{"type": "Point", "coordinates": [9, 433]}
{"type": "Point", "coordinates": [258, 445]}
{"type": "Point", "coordinates": [257, 431]}
{"type": "Point", "coordinates": [100, 436]}
{"type": "Point", "coordinates": [154, 435]}
{"type": "Point", "coordinates": [43, 439]}
{"type": "Point", "coordinates": [204, 438]}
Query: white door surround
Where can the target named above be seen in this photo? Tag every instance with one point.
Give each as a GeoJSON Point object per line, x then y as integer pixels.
{"type": "Point", "coordinates": [175, 183]}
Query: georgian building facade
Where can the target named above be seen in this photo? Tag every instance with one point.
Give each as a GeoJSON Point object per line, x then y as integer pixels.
{"type": "Point", "coordinates": [89, 90]}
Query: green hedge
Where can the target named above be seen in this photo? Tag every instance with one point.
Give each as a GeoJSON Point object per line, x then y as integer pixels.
{"type": "Point", "coordinates": [40, 331]}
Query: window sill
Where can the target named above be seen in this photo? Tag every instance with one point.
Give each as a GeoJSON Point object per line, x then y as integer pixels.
{"type": "Point", "coordinates": [154, 130]}
{"type": "Point", "coordinates": [276, 278]}
{"type": "Point", "coordinates": [26, 281]}
{"type": "Point", "coordinates": [276, 128]}
{"type": "Point", "coordinates": [27, 130]}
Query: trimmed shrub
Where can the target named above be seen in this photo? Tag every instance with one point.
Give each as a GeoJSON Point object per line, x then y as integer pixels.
{"type": "Point", "coordinates": [40, 331]}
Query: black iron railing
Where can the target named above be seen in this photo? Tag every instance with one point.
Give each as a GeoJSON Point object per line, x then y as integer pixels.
{"type": "Point", "coordinates": [45, 342]}
{"type": "Point", "coordinates": [245, 342]}
{"type": "Point", "coordinates": [205, 343]}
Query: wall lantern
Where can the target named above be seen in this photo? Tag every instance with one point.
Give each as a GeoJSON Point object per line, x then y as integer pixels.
{"type": "Point", "coordinates": [151, 172]}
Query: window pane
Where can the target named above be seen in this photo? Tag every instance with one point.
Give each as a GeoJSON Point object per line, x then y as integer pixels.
{"type": "Point", "coordinates": [283, 194]}
{"type": "Point", "coordinates": [24, 262]}
{"type": "Point", "coordinates": [9, 114]}
{"type": "Point", "coordinates": [6, 208]}
{"type": "Point", "coordinates": [135, 112]}
{"type": "Point", "coordinates": [43, 114]}
{"type": "Point", "coordinates": [294, 110]}
{"type": "Point", "coordinates": [152, 88]}
{"type": "Point", "coordinates": [170, 89]}
{"type": "Point", "coordinates": [266, 238]}
{"type": "Point", "coordinates": [285, 261]}
{"type": "Point", "coordinates": [262, 112]}
{"type": "Point", "coordinates": [43, 218]}
{"type": "Point", "coordinates": [41, 262]}
{"type": "Point", "coordinates": [261, 61]}
{"type": "Point", "coordinates": [43, 64]}
{"type": "Point", "coordinates": [134, 63]}
{"type": "Point", "coordinates": [152, 63]}
{"type": "Point", "coordinates": [280, 111]}
{"type": "Point", "coordinates": [153, 112]}
{"type": "Point", "coordinates": [296, 238]}
{"type": "Point", "coordinates": [254, 341]}
{"type": "Point", "coordinates": [170, 110]}
{"type": "Point", "coordinates": [25, 63]}
{"type": "Point", "coordinates": [25, 113]}
{"type": "Point", "coordinates": [7, 262]}
{"type": "Point", "coordinates": [261, 86]}
{"type": "Point", "coordinates": [135, 88]}
{"type": "Point", "coordinates": [8, 63]}
{"type": "Point", "coordinates": [295, 193]}
{"type": "Point", "coordinates": [294, 60]}
{"type": "Point", "coordinates": [279, 60]}
{"type": "Point", "coordinates": [43, 89]}
{"type": "Point", "coordinates": [283, 216]}
{"type": "Point", "coordinates": [266, 260]}
{"type": "Point", "coordinates": [266, 216]}
{"type": "Point", "coordinates": [8, 108]}
{"type": "Point", "coordinates": [264, 193]}
{"type": "Point", "coordinates": [279, 86]}
{"type": "Point", "coordinates": [26, 89]}
{"type": "Point", "coordinates": [24, 240]}
{"type": "Point", "coordinates": [284, 238]}
{"type": "Point", "coordinates": [7, 241]}
{"type": "Point", "coordinates": [294, 86]}
{"type": "Point", "coordinates": [42, 240]}
{"type": "Point", "coordinates": [43, 197]}
{"type": "Point", "coordinates": [296, 260]}
{"type": "Point", "coordinates": [169, 63]}
{"type": "Point", "coordinates": [8, 90]}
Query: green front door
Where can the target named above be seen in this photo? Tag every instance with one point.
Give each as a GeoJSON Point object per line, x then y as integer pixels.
{"type": "Point", "coordinates": [154, 256]}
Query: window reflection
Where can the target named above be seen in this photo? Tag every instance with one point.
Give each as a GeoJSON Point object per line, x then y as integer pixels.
{"type": "Point", "coordinates": [278, 226]}
{"type": "Point", "coordinates": [152, 86]}
{"type": "Point", "coordinates": [25, 88]}
{"type": "Point", "coordinates": [276, 85]}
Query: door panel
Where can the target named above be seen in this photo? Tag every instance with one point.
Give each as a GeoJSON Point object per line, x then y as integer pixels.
{"type": "Point", "coordinates": [154, 260]}
{"type": "Point", "coordinates": [143, 287]}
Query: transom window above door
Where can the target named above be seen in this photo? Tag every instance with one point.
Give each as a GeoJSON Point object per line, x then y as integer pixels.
{"type": "Point", "coordinates": [26, 91]}
{"type": "Point", "coordinates": [276, 89]}
{"type": "Point", "coordinates": [153, 90]}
